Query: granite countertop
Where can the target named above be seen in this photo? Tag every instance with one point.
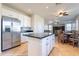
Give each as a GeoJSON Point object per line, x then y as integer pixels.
{"type": "Point", "coordinates": [38, 35]}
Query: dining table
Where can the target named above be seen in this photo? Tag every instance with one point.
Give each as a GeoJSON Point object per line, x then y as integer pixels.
{"type": "Point", "coordinates": [68, 35]}
{"type": "Point", "coordinates": [75, 39]}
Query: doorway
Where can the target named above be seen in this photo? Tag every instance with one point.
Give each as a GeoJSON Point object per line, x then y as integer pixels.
{"type": "Point", "coordinates": [55, 28]}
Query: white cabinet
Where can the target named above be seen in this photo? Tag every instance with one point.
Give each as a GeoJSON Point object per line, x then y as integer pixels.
{"type": "Point", "coordinates": [44, 47]}
{"type": "Point", "coordinates": [40, 47]}
{"type": "Point", "coordinates": [27, 21]}
{"type": "Point", "coordinates": [9, 13]}
{"type": "Point", "coordinates": [34, 47]}
{"type": "Point", "coordinates": [52, 41]}
{"type": "Point", "coordinates": [38, 24]}
{"type": "Point", "coordinates": [23, 38]}
{"type": "Point", "coordinates": [5, 12]}
{"type": "Point", "coordinates": [48, 44]}
{"type": "Point", "coordinates": [21, 19]}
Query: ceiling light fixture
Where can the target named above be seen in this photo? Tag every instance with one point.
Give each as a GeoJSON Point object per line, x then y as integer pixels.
{"type": "Point", "coordinates": [63, 14]}
{"type": "Point", "coordinates": [46, 6]}
{"type": "Point", "coordinates": [29, 9]}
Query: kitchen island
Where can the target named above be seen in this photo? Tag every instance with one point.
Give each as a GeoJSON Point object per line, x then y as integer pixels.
{"type": "Point", "coordinates": [40, 44]}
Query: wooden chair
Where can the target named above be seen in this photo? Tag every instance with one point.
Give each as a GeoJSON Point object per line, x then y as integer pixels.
{"type": "Point", "coordinates": [64, 38]}
{"type": "Point", "coordinates": [74, 39]}
{"type": "Point", "coordinates": [59, 35]}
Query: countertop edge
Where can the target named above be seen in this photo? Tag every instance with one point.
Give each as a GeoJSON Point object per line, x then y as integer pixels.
{"type": "Point", "coordinates": [38, 37]}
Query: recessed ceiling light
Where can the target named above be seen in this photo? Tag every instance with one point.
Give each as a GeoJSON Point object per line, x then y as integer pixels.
{"type": "Point", "coordinates": [29, 9]}
{"type": "Point", "coordinates": [46, 6]}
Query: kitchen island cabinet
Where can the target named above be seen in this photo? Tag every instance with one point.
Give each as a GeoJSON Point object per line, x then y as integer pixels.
{"type": "Point", "coordinates": [40, 44]}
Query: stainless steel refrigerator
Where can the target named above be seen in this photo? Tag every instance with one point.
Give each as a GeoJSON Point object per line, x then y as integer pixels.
{"type": "Point", "coordinates": [10, 33]}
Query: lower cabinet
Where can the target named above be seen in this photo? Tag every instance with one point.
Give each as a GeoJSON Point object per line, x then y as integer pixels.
{"type": "Point", "coordinates": [52, 41]}
{"type": "Point", "coordinates": [44, 47]}
{"type": "Point", "coordinates": [48, 44]}
{"type": "Point", "coordinates": [23, 38]}
{"type": "Point", "coordinates": [40, 47]}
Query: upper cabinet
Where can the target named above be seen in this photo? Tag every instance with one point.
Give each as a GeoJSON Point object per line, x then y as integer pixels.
{"type": "Point", "coordinates": [9, 13]}
{"type": "Point", "coordinates": [21, 19]}
{"type": "Point", "coordinates": [25, 20]}
{"type": "Point", "coordinates": [38, 24]}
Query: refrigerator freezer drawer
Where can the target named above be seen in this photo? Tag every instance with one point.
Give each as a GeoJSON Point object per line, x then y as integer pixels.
{"type": "Point", "coordinates": [6, 41]}
{"type": "Point", "coordinates": [6, 44]}
{"type": "Point", "coordinates": [16, 36]}
{"type": "Point", "coordinates": [6, 36]}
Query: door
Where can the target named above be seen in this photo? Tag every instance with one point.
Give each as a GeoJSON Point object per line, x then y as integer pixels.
{"type": "Point", "coordinates": [6, 33]}
{"type": "Point", "coordinates": [16, 32]}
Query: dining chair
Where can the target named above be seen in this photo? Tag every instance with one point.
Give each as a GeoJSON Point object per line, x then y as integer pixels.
{"type": "Point", "coordinates": [74, 39]}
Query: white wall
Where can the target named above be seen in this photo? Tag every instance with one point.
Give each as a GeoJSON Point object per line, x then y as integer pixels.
{"type": "Point", "coordinates": [38, 24]}
{"type": "Point", "coordinates": [0, 27]}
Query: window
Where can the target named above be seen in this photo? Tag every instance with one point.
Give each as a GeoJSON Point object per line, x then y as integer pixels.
{"type": "Point", "coordinates": [68, 27]}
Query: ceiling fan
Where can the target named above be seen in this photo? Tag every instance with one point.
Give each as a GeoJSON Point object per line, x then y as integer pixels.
{"type": "Point", "coordinates": [63, 13]}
